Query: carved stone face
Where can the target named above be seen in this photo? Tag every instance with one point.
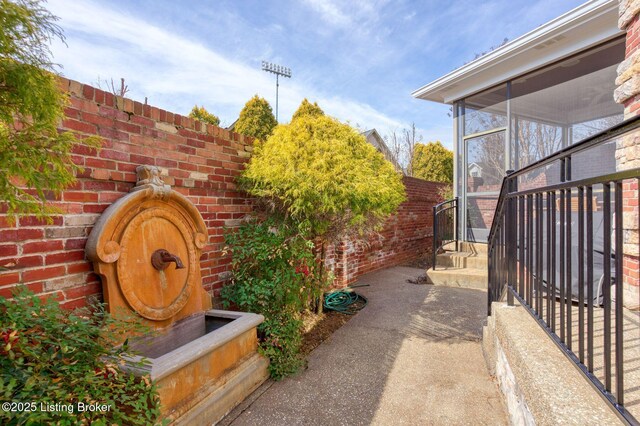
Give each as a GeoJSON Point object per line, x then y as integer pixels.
{"type": "Point", "coordinates": [148, 175]}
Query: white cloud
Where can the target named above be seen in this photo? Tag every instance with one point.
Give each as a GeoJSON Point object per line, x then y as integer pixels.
{"type": "Point", "coordinates": [356, 17]}
{"type": "Point", "coordinates": [175, 72]}
{"type": "Point", "coordinates": [330, 12]}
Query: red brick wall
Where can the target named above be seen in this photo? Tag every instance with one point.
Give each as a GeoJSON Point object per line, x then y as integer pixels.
{"type": "Point", "coordinates": [198, 161]}
{"type": "Point", "coordinates": [627, 152]}
{"type": "Point", "coordinates": [201, 162]}
{"type": "Point", "coordinates": [633, 37]}
{"type": "Point", "coordinates": [406, 236]}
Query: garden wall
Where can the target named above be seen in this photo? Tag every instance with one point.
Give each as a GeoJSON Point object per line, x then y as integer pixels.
{"type": "Point", "coordinates": [199, 161]}
{"type": "Point", "coordinates": [405, 238]}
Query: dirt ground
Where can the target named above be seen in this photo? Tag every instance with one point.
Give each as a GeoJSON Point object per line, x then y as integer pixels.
{"type": "Point", "coordinates": [318, 329]}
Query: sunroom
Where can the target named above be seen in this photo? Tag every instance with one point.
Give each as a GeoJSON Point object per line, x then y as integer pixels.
{"type": "Point", "coordinates": [533, 96]}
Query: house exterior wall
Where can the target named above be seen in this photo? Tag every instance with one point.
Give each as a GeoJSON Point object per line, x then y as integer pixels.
{"type": "Point", "coordinates": [628, 148]}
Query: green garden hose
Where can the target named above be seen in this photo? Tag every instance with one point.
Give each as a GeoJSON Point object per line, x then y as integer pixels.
{"type": "Point", "coordinates": [344, 301]}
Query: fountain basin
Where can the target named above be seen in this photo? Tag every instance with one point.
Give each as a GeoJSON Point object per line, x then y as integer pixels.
{"type": "Point", "coordinates": [203, 365]}
{"type": "Point", "coordinates": [146, 247]}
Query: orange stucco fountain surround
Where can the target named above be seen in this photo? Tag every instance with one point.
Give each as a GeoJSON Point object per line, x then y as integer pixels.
{"type": "Point", "coordinates": [146, 248]}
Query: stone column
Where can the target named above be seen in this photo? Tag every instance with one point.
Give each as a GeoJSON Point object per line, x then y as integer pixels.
{"type": "Point", "coordinates": [628, 148]}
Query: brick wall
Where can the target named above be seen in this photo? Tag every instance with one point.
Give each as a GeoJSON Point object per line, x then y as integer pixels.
{"type": "Point", "coordinates": [628, 147]}
{"type": "Point", "coordinates": [406, 236]}
{"type": "Point", "coordinates": [200, 161]}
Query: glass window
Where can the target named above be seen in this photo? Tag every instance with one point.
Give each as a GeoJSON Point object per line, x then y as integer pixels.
{"type": "Point", "coordinates": [486, 110]}
{"type": "Point", "coordinates": [564, 103]}
{"type": "Point", "coordinates": [485, 162]}
{"type": "Point", "coordinates": [480, 211]}
{"type": "Point", "coordinates": [536, 140]}
{"type": "Point", "coordinates": [458, 107]}
{"type": "Point", "coordinates": [549, 108]}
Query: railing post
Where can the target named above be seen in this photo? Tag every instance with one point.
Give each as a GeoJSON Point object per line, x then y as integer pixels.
{"type": "Point", "coordinates": [516, 252]}
{"type": "Point", "coordinates": [511, 234]}
{"type": "Point", "coordinates": [435, 234]}
{"type": "Point", "coordinates": [455, 222]}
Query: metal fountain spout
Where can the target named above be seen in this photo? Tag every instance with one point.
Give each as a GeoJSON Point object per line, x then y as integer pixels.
{"type": "Point", "coordinates": [160, 259]}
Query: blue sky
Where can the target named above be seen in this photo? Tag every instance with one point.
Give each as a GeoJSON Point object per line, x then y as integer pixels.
{"type": "Point", "coordinates": [359, 59]}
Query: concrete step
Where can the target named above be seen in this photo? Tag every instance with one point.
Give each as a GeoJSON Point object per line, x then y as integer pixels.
{"type": "Point", "coordinates": [458, 277]}
{"type": "Point", "coordinates": [467, 246]}
{"type": "Point", "coordinates": [462, 260]}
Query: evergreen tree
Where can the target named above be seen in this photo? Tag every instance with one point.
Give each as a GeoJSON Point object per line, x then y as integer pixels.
{"type": "Point", "coordinates": [201, 114]}
{"type": "Point", "coordinates": [432, 162]}
{"type": "Point", "coordinates": [34, 156]}
{"type": "Point", "coordinates": [256, 119]}
{"type": "Point", "coordinates": [307, 108]}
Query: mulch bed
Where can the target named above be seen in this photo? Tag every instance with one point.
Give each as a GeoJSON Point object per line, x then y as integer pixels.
{"type": "Point", "coordinates": [322, 329]}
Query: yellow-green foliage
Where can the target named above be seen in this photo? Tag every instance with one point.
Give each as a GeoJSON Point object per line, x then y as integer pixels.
{"type": "Point", "coordinates": [32, 152]}
{"type": "Point", "coordinates": [256, 119]}
{"type": "Point", "coordinates": [307, 108]}
{"type": "Point", "coordinates": [201, 114]}
{"type": "Point", "coordinates": [433, 162]}
{"type": "Point", "coordinates": [325, 176]}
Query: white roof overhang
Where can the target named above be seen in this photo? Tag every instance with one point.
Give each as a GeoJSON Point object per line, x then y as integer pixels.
{"type": "Point", "coordinates": [585, 26]}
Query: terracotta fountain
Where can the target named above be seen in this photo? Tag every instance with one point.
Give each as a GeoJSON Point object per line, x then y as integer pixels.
{"type": "Point", "coordinates": [146, 247]}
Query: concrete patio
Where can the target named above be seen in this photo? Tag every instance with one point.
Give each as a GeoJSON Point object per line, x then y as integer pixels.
{"type": "Point", "coordinates": [412, 356]}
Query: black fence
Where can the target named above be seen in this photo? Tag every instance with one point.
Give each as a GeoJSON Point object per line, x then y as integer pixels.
{"type": "Point", "coordinates": [445, 226]}
{"type": "Point", "coordinates": [557, 246]}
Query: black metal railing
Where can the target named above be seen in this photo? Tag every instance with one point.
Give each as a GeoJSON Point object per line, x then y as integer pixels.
{"type": "Point", "coordinates": [445, 226]}
{"type": "Point", "coordinates": [557, 246]}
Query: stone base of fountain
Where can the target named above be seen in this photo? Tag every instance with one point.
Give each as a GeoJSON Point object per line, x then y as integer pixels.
{"type": "Point", "coordinates": [204, 365]}
{"type": "Point", "coordinates": [146, 247]}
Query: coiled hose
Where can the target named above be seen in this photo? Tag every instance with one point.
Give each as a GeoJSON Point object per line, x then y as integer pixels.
{"type": "Point", "coordinates": [344, 301]}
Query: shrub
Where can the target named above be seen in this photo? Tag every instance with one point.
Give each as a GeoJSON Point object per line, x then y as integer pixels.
{"type": "Point", "coordinates": [445, 192]}
{"type": "Point", "coordinates": [432, 162]}
{"type": "Point", "coordinates": [325, 176]}
{"type": "Point", "coordinates": [256, 119]}
{"type": "Point", "coordinates": [200, 113]}
{"type": "Point", "coordinates": [273, 275]}
{"type": "Point", "coordinates": [34, 157]}
{"type": "Point", "coordinates": [307, 108]}
{"type": "Point", "coordinates": [49, 356]}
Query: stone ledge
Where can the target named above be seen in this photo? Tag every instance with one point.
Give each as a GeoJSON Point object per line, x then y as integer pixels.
{"type": "Point", "coordinates": [627, 90]}
{"type": "Point", "coordinates": [627, 10]}
{"type": "Point", "coordinates": [539, 383]}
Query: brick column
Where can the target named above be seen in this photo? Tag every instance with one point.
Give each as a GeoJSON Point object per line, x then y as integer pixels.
{"type": "Point", "coordinates": [628, 148]}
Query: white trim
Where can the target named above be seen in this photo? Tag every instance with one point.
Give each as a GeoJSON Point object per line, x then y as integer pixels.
{"type": "Point", "coordinates": [485, 133]}
{"type": "Point", "coordinates": [585, 26]}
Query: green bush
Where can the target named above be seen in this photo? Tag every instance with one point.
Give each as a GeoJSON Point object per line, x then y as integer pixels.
{"type": "Point", "coordinates": [256, 119]}
{"type": "Point", "coordinates": [432, 162]}
{"type": "Point", "coordinates": [281, 342]}
{"type": "Point", "coordinates": [35, 158]}
{"type": "Point", "coordinates": [324, 176]}
{"type": "Point", "coordinates": [273, 275]}
{"type": "Point", "coordinates": [52, 360]}
{"type": "Point", "coordinates": [200, 113]}
{"type": "Point", "coordinates": [307, 108]}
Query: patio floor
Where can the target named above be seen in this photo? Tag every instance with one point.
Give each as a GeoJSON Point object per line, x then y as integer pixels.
{"type": "Point", "coordinates": [412, 356]}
